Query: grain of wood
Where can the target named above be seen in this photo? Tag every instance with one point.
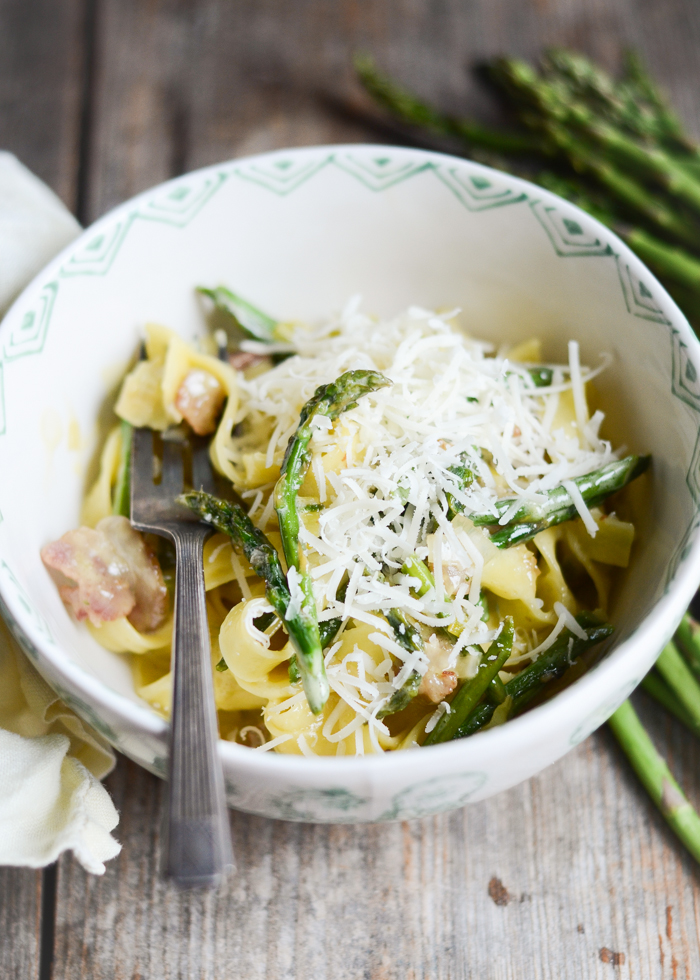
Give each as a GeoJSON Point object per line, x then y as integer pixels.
{"type": "Point", "coordinates": [41, 75]}
{"type": "Point", "coordinates": [180, 85]}
{"type": "Point", "coordinates": [583, 861]}
{"type": "Point", "coordinates": [20, 925]}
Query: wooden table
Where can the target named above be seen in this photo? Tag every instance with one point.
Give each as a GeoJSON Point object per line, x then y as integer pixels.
{"type": "Point", "coordinates": [571, 875]}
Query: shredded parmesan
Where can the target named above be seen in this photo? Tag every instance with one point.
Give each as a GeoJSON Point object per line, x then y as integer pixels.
{"type": "Point", "coordinates": [580, 505]}
{"type": "Point", "coordinates": [387, 476]}
{"type": "Point", "coordinates": [442, 709]}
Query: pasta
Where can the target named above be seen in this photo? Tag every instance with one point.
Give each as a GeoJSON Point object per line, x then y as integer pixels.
{"type": "Point", "coordinates": [434, 511]}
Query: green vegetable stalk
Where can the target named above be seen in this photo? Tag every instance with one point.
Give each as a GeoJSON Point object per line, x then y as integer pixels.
{"type": "Point", "coordinates": [249, 318]}
{"type": "Point", "coordinates": [121, 501]}
{"type": "Point", "coordinates": [681, 681]}
{"type": "Point", "coordinates": [410, 639]}
{"type": "Point", "coordinates": [557, 505]}
{"type": "Point", "coordinates": [470, 692]}
{"type": "Point", "coordinates": [657, 688]}
{"type": "Point", "coordinates": [329, 400]}
{"type": "Point", "coordinates": [551, 664]}
{"type": "Point", "coordinates": [656, 777]}
{"type": "Point", "coordinates": [411, 110]}
{"type": "Point", "coordinates": [614, 147]}
{"type": "Point", "coordinates": [231, 519]}
{"type": "Point", "coordinates": [688, 638]}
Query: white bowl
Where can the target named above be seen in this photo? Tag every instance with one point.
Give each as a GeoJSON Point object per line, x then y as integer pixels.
{"type": "Point", "coordinates": [299, 232]}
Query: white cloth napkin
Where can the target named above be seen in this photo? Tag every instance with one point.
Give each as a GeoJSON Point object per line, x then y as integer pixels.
{"type": "Point", "coordinates": [51, 798]}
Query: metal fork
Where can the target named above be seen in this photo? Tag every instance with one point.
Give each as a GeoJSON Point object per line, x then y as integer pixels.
{"type": "Point", "coordinates": [196, 849]}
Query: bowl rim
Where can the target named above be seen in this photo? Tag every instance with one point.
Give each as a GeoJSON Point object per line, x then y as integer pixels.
{"type": "Point", "coordinates": [617, 667]}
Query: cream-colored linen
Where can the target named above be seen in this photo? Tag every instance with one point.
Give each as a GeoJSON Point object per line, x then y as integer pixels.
{"type": "Point", "coordinates": [50, 767]}
{"type": "Point", "coordinates": [51, 798]}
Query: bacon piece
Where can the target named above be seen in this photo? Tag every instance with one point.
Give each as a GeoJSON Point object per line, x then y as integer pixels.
{"type": "Point", "coordinates": [145, 576]}
{"type": "Point", "coordinates": [438, 681]}
{"type": "Point", "coordinates": [114, 573]}
{"type": "Point", "coordinates": [102, 591]}
{"type": "Point", "coordinates": [436, 686]}
{"type": "Point", "coordinates": [240, 359]}
{"type": "Point", "coordinates": [199, 399]}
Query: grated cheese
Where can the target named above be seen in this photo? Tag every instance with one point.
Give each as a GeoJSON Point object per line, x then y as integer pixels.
{"type": "Point", "coordinates": [580, 505]}
{"type": "Point", "coordinates": [383, 472]}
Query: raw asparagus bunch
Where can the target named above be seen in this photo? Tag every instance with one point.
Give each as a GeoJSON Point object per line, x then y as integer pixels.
{"type": "Point", "coordinates": [613, 147]}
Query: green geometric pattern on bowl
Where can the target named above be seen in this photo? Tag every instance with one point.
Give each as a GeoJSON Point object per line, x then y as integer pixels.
{"type": "Point", "coordinates": [29, 336]}
{"type": "Point", "coordinates": [178, 204]}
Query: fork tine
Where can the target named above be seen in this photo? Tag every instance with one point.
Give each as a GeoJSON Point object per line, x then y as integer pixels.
{"type": "Point", "coordinates": [141, 467]}
{"type": "Point", "coordinates": [171, 480]}
{"type": "Point", "coordinates": [202, 476]}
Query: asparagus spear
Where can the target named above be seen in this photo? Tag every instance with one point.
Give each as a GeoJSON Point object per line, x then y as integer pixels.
{"type": "Point", "coordinates": [249, 318]}
{"type": "Point", "coordinates": [688, 636]}
{"type": "Point", "coordinates": [679, 678]}
{"type": "Point", "coordinates": [464, 477]}
{"type": "Point", "coordinates": [556, 105]}
{"type": "Point", "coordinates": [329, 400]}
{"type": "Point", "coordinates": [231, 518]}
{"type": "Point", "coordinates": [470, 692]}
{"type": "Point", "coordinates": [410, 639]}
{"type": "Point", "coordinates": [417, 569]}
{"type": "Point", "coordinates": [620, 197]}
{"type": "Point", "coordinates": [121, 501]}
{"type": "Point", "coordinates": [496, 691]}
{"type": "Point", "coordinates": [409, 109]}
{"type": "Point", "coordinates": [328, 631]}
{"type": "Point", "coordinates": [550, 665]}
{"type": "Point", "coordinates": [593, 147]}
{"type": "Point", "coordinates": [624, 187]}
{"type": "Point", "coordinates": [657, 688]}
{"type": "Point", "coordinates": [666, 260]}
{"type": "Point", "coordinates": [669, 124]}
{"type": "Point", "coordinates": [656, 777]}
{"type": "Point", "coordinates": [557, 507]}
{"type": "Point", "coordinates": [635, 104]}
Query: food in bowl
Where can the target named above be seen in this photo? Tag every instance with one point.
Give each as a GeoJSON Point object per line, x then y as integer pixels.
{"type": "Point", "coordinates": [415, 541]}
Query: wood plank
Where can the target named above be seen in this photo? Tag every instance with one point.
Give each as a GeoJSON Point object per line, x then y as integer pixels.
{"type": "Point", "coordinates": [182, 85]}
{"type": "Point", "coordinates": [574, 871]}
{"type": "Point", "coordinates": [41, 63]}
{"type": "Point", "coordinates": [41, 55]}
{"type": "Point", "coordinates": [20, 923]}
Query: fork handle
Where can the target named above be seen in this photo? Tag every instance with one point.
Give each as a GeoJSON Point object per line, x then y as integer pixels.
{"type": "Point", "coordinates": [196, 850]}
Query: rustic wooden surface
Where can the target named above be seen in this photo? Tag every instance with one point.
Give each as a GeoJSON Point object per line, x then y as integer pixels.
{"type": "Point", "coordinates": [572, 875]}
{"type": "Point", "coordinates": [20, 923]}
